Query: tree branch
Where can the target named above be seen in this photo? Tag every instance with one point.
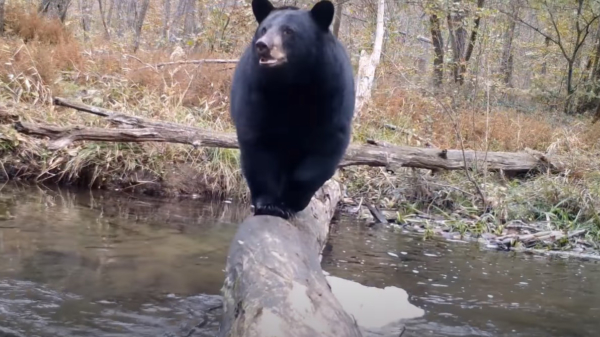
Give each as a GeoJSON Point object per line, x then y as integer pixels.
{"type": "Point", "coordinates": [516, 18]}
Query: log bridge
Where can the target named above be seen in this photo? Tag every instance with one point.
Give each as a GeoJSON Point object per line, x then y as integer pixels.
{"type": "Point", "coordinates": [274, 285]}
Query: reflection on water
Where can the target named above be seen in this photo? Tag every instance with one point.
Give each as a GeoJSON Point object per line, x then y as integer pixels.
{"type": "Point", "coordinates": [466, 291]}
{"type": "Point", "coordinates": [86, 264]}
{"type": "Point", "coordinates": [102, 264]}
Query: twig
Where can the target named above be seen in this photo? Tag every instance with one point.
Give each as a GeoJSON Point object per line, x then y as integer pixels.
{"type": "Point", "coordinates": [166, 64]}
{"type": "Point", "coordinates": [426, 141]}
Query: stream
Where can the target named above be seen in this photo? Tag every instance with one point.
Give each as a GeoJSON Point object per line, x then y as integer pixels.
{"type": "Point", "coordinates": [76, 262]}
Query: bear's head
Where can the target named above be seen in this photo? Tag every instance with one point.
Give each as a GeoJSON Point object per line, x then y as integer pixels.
{"type": "Point", "coordinates": [288, 35]}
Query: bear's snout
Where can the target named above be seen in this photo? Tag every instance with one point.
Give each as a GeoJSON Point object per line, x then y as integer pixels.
{"type": "Point", "coordinates": [269, 50]}
{"type": "Point", "coordinates": [262, 48]}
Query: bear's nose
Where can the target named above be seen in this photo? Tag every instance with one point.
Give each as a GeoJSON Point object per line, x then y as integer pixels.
{"type": "Point", "coordinates": [262, 48]}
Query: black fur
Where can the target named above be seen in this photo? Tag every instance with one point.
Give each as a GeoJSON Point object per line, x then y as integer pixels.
{"type": "Point", "coordinates": [293, 121]}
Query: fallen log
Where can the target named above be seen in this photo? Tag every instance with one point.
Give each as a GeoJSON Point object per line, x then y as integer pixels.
{"type": "Point", "coordinates": [377, 154]}
{"type": "Point", "coordinates": [275, 286]}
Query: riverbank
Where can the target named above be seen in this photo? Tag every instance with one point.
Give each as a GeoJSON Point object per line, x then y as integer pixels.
{"type": "Point", "coordinates": [53, 63]}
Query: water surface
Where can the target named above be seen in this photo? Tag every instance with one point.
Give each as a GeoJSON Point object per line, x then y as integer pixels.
{"type": "Point", "coordinates": [82, 263]}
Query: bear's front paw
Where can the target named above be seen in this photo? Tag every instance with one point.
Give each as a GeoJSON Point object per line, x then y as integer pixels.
{"type": "Point", "coordinates": [273, 210]}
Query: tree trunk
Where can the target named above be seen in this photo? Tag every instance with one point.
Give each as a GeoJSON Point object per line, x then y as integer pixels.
{"type": "Point", "coordinates": [134, 13]}
{"type": "Point", "coordinates": [458, 38]}
{"type": "Point", "coordinates": [275, 286]}
{"type": "Point", "coordinates": [56, 9]}
{"type": "Point", "coordinates": [506, 68]}
{"type": "Point", "coordinates": [472, 41]}
{"type": "Point", "coordinates": [570, 90]}
{"type": "Point", "coordinates": [174, 26]}
{"type": "Point", "coordinates": [139, 24]}
{"type": "Point", "coordinates": [85, 8]}
{"type": "Point", "coordinates": [110, 12]}
{"type": "Point", "coordinates": [438, 49]}
{"type": "Point", "coordinates": [2, 17]}
{"type": "Point", "coordinates": [368, 64]}
{"type": "Point", "coordinates": [104, 24]}
{"type": "Point", "coordinates": [596, 63]}
{"type": "Point", "coordinates": [546, 50]}
{"type": "Point", "coordinates": [190, 26]}
{"type": "Point", "coordinates": [166, 19]}
{"type": "Point", "coordinates": [337, 19]}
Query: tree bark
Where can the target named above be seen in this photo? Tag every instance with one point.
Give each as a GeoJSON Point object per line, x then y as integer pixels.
{"type": "Point", "coordinates": [458, 36]}
{"type": "Point", "coordinates": [166, 18]}
{"type": "Point", "coordinates": [85, 8]}
{"type": "Point", "coordinates": [544, 69]}
{"type": "Point", "coordinates": [506, 68]}
{"type": "Point", "coordinates": [190, 27]}
{"type": "Point", "coordinates": [110, 12]}
{"type": "Point", "coordinates": [438, 49]}
{"type": "Point", "coordinates": [472, 40]}
{"type": "Point", "coordinates": [375, 154]}
{"type": "Point", "coordinates": [139, 24]}
{"type": "Point", "coordinates": [337, 19]}
{"type": "Point", "coordinates": [368, 64]}
{"type": "Point", "coordinates": [104, 24]}
{"type": "Point", "coordinates": [275, 286]}
{"type": "Point", "coordinates": [2, 17]}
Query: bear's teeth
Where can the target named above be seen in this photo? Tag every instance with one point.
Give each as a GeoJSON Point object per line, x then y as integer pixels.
{"type": "Point", "coordinates": [264, 60]}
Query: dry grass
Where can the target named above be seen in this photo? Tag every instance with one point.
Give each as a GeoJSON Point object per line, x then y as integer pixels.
{"type": "Point", "coordinates": [41, 58]}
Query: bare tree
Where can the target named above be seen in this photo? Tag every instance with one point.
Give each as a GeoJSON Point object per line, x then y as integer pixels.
{"type": "Point", "coordinates": [85, 8]}
{"type": "Point", "coordinates": [139, 22]}
{"type": "Point", "coordinates": [438, 48]}
{"type": "Point", "coordinates": [458, 39]}
{"type": "Point", "coordinates": [580, 31]}
{"type": "Point", "coordinates": [368, 63]}
{"type": "Point", "coordinates": [166, 18]}
{"type": "Point", "coordinates": [472, 40]}
{"type": "Point", "coordinates": [109, 15]}
{"type": "Point", "coordinates": [190, 26]}
{"type": "Point", "coordinates": [55, 8]}
{"type": "Point", "coordinates": [506, 62]}
{"type": "Point", "coordinates": [104, 24]}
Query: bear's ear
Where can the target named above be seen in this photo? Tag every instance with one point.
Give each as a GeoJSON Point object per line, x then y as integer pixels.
{"type": "Point", "coordinates": [261, 9]}
{"type": "Point", "coordinates": [322, 13]}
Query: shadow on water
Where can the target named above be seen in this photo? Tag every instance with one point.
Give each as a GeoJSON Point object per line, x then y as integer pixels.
{"type": "Point", "coordinates": [77, 263]}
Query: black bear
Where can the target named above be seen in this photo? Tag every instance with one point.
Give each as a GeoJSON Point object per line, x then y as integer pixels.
{"type": "Point", "coordinates": [292, 104]}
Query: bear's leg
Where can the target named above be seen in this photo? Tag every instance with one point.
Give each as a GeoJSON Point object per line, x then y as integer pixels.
{"type": "Point", "coordinates": [306, 179]}
{"type": "Point", "coordinates": [262, 171]}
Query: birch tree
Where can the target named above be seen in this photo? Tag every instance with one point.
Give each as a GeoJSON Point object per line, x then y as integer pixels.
{"type": "Point", "coordinates": [368, 64]}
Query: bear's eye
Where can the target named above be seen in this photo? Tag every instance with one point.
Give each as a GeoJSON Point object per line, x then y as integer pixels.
{"type": "Point", "coordinates": [287, 31]}
{"type": "Point", "coordinates": [263, 31]}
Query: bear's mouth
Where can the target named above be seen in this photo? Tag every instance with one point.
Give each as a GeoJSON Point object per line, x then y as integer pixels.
{"type": "Point", "coordinates": [270, 61]}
